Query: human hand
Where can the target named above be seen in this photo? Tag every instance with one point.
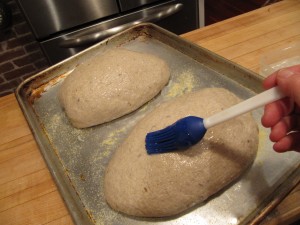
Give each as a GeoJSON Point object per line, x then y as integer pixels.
{"type": "Point", "coordinates": [283, 116]}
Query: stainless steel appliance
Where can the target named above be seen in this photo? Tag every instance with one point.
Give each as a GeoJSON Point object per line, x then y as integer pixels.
{"type": "Point", "coordinates": [64, 28]}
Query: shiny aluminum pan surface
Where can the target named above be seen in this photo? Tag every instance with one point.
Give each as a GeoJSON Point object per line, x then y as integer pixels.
{"type": "Point", "coordinates": [77, 157]}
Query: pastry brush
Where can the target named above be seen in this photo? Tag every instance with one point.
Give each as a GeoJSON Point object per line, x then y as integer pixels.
{"type": "Point", "coordinates": [190, 130]}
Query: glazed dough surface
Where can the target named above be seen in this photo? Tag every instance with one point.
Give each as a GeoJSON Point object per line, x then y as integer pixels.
{"type": "Point", "coordinates": [111, 85]}
{"type": "Point", "coordinates": [167, 184]}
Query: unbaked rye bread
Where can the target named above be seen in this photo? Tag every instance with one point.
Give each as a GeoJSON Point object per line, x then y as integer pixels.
{"type": "Point", "coordinates": [111, 85]}
{"type": "Point", "coordinates": [167, 184]}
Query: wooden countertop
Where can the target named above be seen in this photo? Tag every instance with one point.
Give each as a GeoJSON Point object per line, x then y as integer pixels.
{"type": "Point", "coordinates": [28, 194]}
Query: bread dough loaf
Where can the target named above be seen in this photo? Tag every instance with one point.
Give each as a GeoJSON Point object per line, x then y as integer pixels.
{"type": "Point", "coordinates": [111, 85]}
{"type": "Point", "coordinates": [167, 184]}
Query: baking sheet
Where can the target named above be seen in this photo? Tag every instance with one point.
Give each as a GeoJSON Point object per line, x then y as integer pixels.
{"type": "Point", "coordinates": [77, 157]}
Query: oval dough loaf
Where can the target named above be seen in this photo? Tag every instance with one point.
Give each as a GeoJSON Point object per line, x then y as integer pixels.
{"type": "Point", "coordinates": [167, 184]}
{"type": "Point", "coordinates": [111, 85]}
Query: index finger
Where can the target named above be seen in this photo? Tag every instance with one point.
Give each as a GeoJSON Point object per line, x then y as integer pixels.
{"type": "Point", "coordinates": [271, 81]}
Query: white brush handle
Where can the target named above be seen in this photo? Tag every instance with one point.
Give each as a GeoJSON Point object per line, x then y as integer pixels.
{"type": "Point", "coordinates": [250, 104]}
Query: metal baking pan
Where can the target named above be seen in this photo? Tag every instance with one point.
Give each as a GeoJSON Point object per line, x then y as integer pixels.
{"type": "Point", "coordinates": [77, 157]}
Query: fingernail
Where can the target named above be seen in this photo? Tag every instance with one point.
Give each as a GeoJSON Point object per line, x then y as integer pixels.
{"type": "Point", "coordinates": [285, 73]}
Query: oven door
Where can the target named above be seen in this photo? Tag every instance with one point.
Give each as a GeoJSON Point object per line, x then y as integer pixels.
{"type": "Point", "coordinates": [66, 45]}
{"type": "Point", "coordinates": [131, 4]}
{"type": "Point", "coordinates": [51, 16]}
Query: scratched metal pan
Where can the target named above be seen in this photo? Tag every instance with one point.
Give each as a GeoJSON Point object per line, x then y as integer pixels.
{"type": "Point", "coordinates": [77, 157]}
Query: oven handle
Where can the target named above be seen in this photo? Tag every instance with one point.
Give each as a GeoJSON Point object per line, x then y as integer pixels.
{"type": "Point", "coordinates": [156, 15]}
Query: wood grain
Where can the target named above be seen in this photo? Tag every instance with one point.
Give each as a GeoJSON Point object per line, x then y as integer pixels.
{"type": "Point", "coordinates": [28, 194]}
{"type": "Point", "coordinates": [243, 39]}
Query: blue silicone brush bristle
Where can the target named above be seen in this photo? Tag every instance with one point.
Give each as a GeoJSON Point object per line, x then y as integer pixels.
{"type": "Point", "coordinates": [182, 134]}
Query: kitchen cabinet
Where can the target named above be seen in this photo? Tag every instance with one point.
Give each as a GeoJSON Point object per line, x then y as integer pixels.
{"type": "Point", "coordinates": [218, 10]}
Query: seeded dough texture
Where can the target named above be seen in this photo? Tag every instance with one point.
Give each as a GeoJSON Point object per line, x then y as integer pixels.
{"type": "Point", "coordinates": [167, 184]}
{"type": "Point", "coordinates": [111, 85]}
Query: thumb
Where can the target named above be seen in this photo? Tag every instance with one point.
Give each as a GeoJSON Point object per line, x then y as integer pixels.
{"type": "Point", "coordinates": [288, 81]}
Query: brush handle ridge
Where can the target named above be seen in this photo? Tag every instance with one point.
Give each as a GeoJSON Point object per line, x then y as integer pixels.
{"type": "Point", "coordinates": [250, 104]}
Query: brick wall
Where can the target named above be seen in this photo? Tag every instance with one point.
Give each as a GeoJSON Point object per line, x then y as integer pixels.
{"type": "Point", "coordinates": [20, 54]}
